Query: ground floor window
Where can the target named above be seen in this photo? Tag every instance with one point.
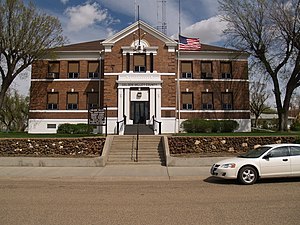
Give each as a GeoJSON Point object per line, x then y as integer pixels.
{"type": "Point", "coordinates": [72, 101]}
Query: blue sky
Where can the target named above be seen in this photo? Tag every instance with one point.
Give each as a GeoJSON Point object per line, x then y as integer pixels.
{"type": "Point", "coordinates": [85, 20]}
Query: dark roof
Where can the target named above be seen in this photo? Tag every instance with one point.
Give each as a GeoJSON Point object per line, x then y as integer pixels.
{"type": "Point", "coordinates": [84, 46]}
{"type": "Point", "coordinates": [205, 47]}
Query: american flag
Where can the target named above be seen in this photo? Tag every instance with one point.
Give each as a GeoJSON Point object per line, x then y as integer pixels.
{"type": "Point", "coordinates": [189, 43]}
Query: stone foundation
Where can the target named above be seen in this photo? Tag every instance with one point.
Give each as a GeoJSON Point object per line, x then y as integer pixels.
{"type": "Point", "coordinates": [52, 147]}
{"type": "Point", "coordinates": [220, 146]}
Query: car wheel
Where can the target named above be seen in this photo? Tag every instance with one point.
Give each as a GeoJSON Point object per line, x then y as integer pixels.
{"type": "Point", "coordinates": [247, 175]}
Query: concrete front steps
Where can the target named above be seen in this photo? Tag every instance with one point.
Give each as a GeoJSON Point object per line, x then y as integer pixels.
{"type": "Point", "coordinates": [123, 150]}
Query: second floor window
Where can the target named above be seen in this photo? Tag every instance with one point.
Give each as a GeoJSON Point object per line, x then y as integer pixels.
{"type": "Point", "coordinates": [206, 70]}
{"type": "Point", "coordinates": [72, 101]}
{"type": "Point", "coordinates": [52, 100]}
{"type": "Point", "coordinates": [53, 70]}
{"type": "Point", "coordinates": [207, 100]}
{"type": "Point", "coordinates": [139, 61]}
{"type": "Point", "coordinates": [93, 70]}
{"type": "Point", "coordinates": [73, 70]}
{"type": "Point", "coordinates": [226, 70]}
{"type": "Point", "coordinates": [227, 103]}
{"type": "Point", "coordinates": [186, 70]}
{"type": "Point", "coordinates": [187, 100]}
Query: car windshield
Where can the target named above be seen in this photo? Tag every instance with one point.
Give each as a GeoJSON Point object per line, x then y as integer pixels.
{"type": "Point", "coordinates": [255, 153]}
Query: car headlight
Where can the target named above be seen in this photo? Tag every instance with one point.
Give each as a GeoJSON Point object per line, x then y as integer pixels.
{"type": "Point", "coordinates": [228, 165]}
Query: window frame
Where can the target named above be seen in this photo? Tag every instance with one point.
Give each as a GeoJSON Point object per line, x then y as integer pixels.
{"type": "Point", "coordinates": [52, 74]}
{"type": "Point", "coordinates": [73, 75]}
{"type": "Point", "coordinates": [186, 74]}
{"type": "Point", "coordinates": [93, 75]}
{"type": "Point", "coordinates": [54, 106]}
{"type": "Point", "coordinates": [187, 106]}
{"type": "Point", "coordinates": [207, 104]}
{"type": "Point", "coordinates": [72, 106]}
{"type": "Point", "coordinates": [226, 106]}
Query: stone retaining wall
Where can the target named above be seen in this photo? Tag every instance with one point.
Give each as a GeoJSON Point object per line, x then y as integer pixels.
{"type": "Point", "coordinates": [220, 146]}
{"type": "Point", "coordinates": [52, 147]}
{"type": "Point", "coordinates": [92, 147]}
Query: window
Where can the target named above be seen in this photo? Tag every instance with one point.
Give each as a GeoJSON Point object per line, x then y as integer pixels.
{"type": "Point", "coordinates": [139, 61]}
{"type": "Point", "coordinates": [151, 63]}
{"type": "Point", "coordinates": [206, 70]}
{"type": "Point", "coordinates": [92, 100]}
{"type": "Point", "coordinates": [51, 126]}
{"type": "Point", "coordinates": [187, 100]}
{"type": "Point", "coordinates": [295, 151]}
{"type": "Point", "coordinates": [226, 70]}
{"type": "Point", "coordinates": [52, 100]}
{"type": "Point", "coordinates": [73, 70]}
{"type": "Point", "coordinates": [279, 152]}
{"type": "Point", "coordinates": [53, 70]}
{"type": "Point", "coordinates": [187, 70]}
{"type": "Point", "coordinates": [227, 101]}
{"type": "Point", "coordinates": [127, 62]}
{"type": "Point", "coordinates": [93, 70]}
{"type": "Point", "coordinates": [207, 100]}
{"type": "Point", "coordinates": [72, 101]}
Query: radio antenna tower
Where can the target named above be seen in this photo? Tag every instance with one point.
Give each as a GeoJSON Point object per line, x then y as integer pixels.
{"type": "Point", "coordinates": [162, 16]}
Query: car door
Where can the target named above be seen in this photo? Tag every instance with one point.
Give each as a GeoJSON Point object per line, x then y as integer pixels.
{"type": "Point", "coordinates": [276, 162]}
{"type": "Point", "coordinates": [295, 160]}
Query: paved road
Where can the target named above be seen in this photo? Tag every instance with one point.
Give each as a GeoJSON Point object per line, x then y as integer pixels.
{"type": "Point", "coordinates": [34, 201]}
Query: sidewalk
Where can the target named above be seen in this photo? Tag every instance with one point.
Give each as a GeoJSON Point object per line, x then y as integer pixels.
{"type": "Point", "coordinates": [108, 173]}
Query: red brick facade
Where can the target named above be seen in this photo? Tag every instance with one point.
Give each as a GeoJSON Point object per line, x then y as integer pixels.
{"type": "Point", "coordinates": [119, 82]}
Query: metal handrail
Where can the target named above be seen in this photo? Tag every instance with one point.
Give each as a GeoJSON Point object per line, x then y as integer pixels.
{"type": "Point", "coordinates": [159, 124]}
{"type": "Point", "coordinates": [137, 143]}
{"type": "Point", "coordinates": [118, 124]}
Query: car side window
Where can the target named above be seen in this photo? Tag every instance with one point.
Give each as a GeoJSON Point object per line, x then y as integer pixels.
{"type": "Point", "coordinates": [279, 152]}
{"type": "Point", "coordinates": [295, 150]}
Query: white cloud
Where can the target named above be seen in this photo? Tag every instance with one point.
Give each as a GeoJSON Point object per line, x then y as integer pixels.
{"type": "Point", "coordinates": [64, 1]}
{"type": "Point", "coordinates": [83, 16]}
{"type": "Point", "coordinates": [209, 31]}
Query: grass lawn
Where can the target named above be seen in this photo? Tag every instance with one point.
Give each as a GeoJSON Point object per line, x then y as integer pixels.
{"type": "Point", "coordinates": [240, 134]}
{"type": "Point", "coordinates": [26, 135]}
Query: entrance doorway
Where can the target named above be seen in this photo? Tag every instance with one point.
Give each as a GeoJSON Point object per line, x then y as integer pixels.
{"type": "Point", "coordinates": [139, 112]}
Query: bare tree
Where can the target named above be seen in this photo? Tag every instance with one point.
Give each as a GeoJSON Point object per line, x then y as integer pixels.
{"type": "Point", "coordinates": [270, 31]}
{"type": "Point", "coordinates": [25, 35]}
{"type": "Point", "coordinates": [258, 98]}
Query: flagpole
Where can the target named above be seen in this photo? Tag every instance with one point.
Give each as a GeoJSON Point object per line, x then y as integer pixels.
{"type": "Point", "coordinates": [178, 71]}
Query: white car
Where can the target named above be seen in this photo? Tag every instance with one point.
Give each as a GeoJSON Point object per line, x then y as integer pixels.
{"type": "Point", "coordinates": [276, 160]}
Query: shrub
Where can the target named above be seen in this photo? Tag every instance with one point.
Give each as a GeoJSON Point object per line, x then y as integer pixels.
{"type": "Point", "coordinates": [79, 128]}
{"type": "Point", "coordinates": [295, 126]}
{"type": "Point", "coordinates": [207, 126]}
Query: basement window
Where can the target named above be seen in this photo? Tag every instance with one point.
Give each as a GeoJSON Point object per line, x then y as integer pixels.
{"type": "Point", "coordinates": [51, 126]}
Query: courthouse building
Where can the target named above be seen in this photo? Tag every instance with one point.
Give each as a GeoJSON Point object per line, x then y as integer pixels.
{"type": "Point", "coordinates": [137, 75]}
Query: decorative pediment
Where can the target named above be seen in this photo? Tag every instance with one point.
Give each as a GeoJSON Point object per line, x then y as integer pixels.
{"type": "Point", "coordinates": [109, 42]}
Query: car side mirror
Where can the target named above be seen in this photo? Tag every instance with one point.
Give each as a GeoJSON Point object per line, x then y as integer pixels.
{"type": "Point", "coordinates": [267, 157]}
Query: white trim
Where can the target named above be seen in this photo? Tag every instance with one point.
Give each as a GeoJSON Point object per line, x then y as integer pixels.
{"type": "Point", "coordinates": [58, 111]}
{"type": "Point", "coordinates": [112, 108]}
{"type": "Point", "coordinates": [216, 111]}
{"type": "Point", "coordinates": [154, 72]}
{"type": "Point", "coordinates": [168, 108]}
{"type": "Point", "coordinates": [72, 80]}
{"type": "Point", "coordinates": [214, 80]}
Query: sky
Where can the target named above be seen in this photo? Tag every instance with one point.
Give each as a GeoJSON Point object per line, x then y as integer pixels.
{"type": "Point", "coordinates": [87, 20]}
